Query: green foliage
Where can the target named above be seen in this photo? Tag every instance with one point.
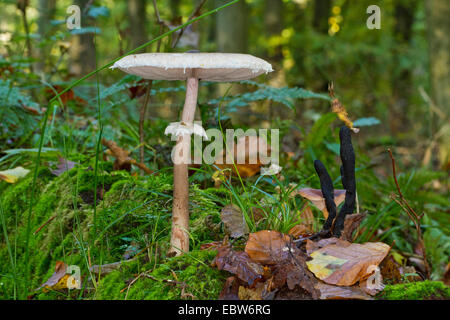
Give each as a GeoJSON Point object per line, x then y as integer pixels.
{"type": "Point", "coordinates": [285, 96]}
{"type": "Point", "coordinates": [16, 121]}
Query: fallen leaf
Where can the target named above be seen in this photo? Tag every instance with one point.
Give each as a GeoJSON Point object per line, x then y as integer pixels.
{"type": "Point", "coordinates": [299, 230]}
{"type": "Point", "coordinates": [390, 270]}
{"type": "Point", "coordinates": [62, 166]}
{"type": "Point", "coordinates": [352, 222]}
{"type": "Point", "coordinates": [233, 219]}
{"type": "Point", "coordinates": [211, 245]}
{"type": "Point", "coordinates": [447, 275]}
{"type": "Point", "coordinates": [316, 197]}
{"type": "Point", "coordinates": [294, 272]}
{"type": "Point", "coordinates": [334, 292]}
{"type": "Point", "coordinates": [12, 175]}
{"type": "Point", "coordinates": [230, 290]}
{"type": "Point", "coordinates": [268, 247]}
{"type": "Point", "coordinates": [58, 279]}
{"type": "Point", "coordinates": [250, 162]}
{"type": "Point", "coordinates": [312, 246]}
{"type": "Point", "coordinates": [251, 293]}
{"type": "Point", "coordinates": [345, 263]}
{"type": "Point", "coordinates": [239, 264]}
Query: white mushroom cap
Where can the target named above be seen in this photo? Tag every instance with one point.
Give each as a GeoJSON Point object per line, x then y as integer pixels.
{"type": "Point", "coordinates": [202, 65]}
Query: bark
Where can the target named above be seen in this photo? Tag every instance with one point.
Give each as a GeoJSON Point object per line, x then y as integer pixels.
{"type": "Point", "coordinates": [402, 80]}
{"type": "Point", "coordinates": [438, 13]}
{"type": "Point", "coordinates": [232, 27]}
{"type": "Point", "coordinates": [180, 210]}
{"type": "Point", "coordinates": [47, 10]}
{"type": "Point", "coordinates": [138, 22]}
{"type": "Point", "coordinates": [82, 49]}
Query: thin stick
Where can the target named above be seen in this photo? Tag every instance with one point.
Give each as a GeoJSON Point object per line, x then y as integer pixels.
{"type": "Point", "coordinates": [43, 225]}
{"type": "Point", "coordinates": [403, 203]}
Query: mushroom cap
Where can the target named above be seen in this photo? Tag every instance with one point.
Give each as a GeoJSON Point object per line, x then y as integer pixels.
{"type": "Point", "coordinates": [203, 65]}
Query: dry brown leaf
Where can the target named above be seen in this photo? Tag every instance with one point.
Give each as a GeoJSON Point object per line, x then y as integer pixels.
{"type": "Point", "coordinates": [233, 219]}
{"type": "Point", "coordinates": [447, 275]}
{"type": "Point", "coordinates": [334, 292]}
{"type": "Point", "coordinates": [294, 272]}
{"type": "Point", "coordinates": [352, 222]}
{"type": "Point", "coordinates": [230, 290]}
{"type": "Point", "coordinates": [312, 246]}
{"type": "Point", "coordinates": [268, 247]}
{"type": "Point", "coordinates": [251, 293]}
{"type": "Point", "coordinates": [252, 146]}
{"type": "Point", "coordinates": [239, 264]}
{"type": "Point", "coordinates": [390, 270]}
{"type": "Point", "coordinates": [345, 264]}
{"type": "Point", "coordinates": [299, 230]}
{"type": "Point", "coordinates": [316, 197]}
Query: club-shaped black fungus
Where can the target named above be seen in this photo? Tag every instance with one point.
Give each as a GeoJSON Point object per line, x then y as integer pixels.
{"type": "Point", "coordinates": [326, 184]}
{"type": "Point", "coordinates": [348, 179]}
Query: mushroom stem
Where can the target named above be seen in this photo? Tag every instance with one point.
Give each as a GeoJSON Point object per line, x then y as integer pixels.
{"type": "Point", "coordinates": [179, 241]}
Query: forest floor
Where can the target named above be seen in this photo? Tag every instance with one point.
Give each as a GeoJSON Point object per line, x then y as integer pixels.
{"type": "Point", "coordinates": [133, 210]}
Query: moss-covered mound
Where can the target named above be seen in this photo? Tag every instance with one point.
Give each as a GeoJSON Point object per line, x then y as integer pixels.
{"type": "Point", "coordinates": [132, 216]}
{"type": "Point", "coordinates": [424, 290]}
{"type": "Point", "coordinates": [186, 277]}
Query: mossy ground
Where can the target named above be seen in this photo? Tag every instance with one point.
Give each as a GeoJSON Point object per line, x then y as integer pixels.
{"type": "Point", "coordinates": [424, 290]}
{"type": "Point", "coordinates": [130, 212]}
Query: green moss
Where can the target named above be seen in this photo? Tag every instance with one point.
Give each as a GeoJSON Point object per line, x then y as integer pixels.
{"type": "Point", "coordinates": [129, 210]}
{"type": "Point", "coordinates": [424, 290]}
{"type": "Point", "coordinates": [193, 273]}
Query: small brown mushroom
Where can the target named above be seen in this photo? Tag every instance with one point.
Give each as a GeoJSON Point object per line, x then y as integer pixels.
{"type": "Point", "coordinates": [190, 67]}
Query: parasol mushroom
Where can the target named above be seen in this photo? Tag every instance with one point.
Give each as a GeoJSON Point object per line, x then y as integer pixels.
{"type": "Point", "coordinates": [191, 67]}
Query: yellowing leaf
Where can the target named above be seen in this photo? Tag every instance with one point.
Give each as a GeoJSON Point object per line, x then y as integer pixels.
{"type": "Point", "coordinates": [339, 109]}
{"type": "Point", "coordinates": [12, 175]}
{"type": "Point", "coordinates": [345, 263]}
{"type": "Point", "coordinates": [324, 265]}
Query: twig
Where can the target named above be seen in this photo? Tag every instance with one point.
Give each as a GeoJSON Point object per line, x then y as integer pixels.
{"type": "Point", "coordinates": [44, 224]}
{"type": "Point", "coordinates": [403, 203]}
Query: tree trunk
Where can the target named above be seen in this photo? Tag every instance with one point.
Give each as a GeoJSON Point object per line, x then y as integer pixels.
{"type": "Point", "coordinates": [402, 82]}
{"type": "Point", "coordinates": [438, 13]}
{"type": "Point", "coordinates": [322, 10]}
{"type": "Point", "coordinates": [82, 49]}
{"type": "Point", "coordinates": [47, 10]}
{"type": "Point", "coordinates": [138, 21]}
{"type": "Point", "coordinates": [232, 27]}
{"type": "Point", "coordinates": [273, 20]}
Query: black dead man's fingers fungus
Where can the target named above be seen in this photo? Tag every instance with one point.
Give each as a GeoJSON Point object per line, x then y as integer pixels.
{"type": "Point", "coordinates": [348, 179]}
{"type": "Point", "coordinates": [326, 184]}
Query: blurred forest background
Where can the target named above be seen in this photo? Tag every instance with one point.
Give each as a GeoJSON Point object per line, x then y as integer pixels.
{"type": "Point", "coordinates": [398, 74]}
{"type": "Point", "coordinates": [394, 80]}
